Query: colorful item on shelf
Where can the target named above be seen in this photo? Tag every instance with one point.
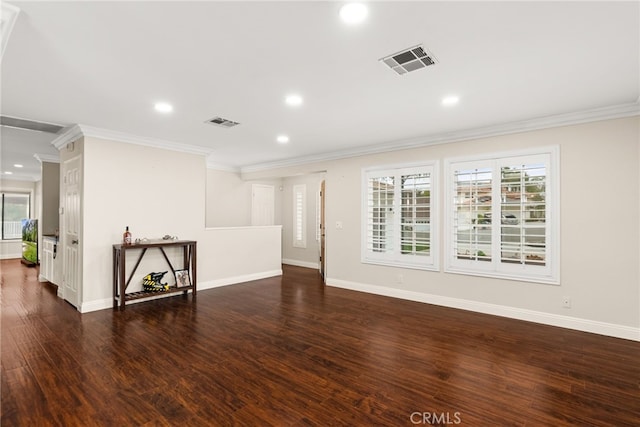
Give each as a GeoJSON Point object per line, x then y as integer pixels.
{"type": "Point", "coordinates": [126, 236]}
{"type": "Point", "coordinates": [152, 282]}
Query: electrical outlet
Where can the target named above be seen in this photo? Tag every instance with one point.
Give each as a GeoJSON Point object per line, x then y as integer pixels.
{"type": "Point", "coordinates": [400, 279]}
{"type": "Point", "coordinates": [566, 302]}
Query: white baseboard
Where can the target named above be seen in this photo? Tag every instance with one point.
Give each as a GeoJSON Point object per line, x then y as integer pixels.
{"type": "Point", "coordinates": [238, 279]}
{"type": "Point", "coordinates": [102, 304]}
{"type": "Point", "coordinates": [95, 305]}
{"type": "Point", "coordinates": [305, 264]}
{"type": "Point", "coordinates": [568, 322]}
{"type": "Point", "coordinates": [11, 256]}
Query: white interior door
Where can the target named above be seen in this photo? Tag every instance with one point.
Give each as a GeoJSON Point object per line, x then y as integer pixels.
{"type": "Point", "coordinates": [72, 220]}
{"type": "Point", "coordinates": [262, 204]}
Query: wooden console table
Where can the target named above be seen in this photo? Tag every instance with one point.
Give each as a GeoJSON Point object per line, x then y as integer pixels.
{"type": "Point", "coordinates": [120, 282]}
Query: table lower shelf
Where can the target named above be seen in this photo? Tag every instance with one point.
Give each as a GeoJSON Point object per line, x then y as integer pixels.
{"type": "Point", "coordinates": [147, 294]}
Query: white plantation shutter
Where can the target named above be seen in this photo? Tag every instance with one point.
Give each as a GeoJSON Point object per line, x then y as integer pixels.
{"type": "Point", "coordinates": [398, 217]}
{"type": "Point", "coordinates": [504, 216]}
{"type": "Point", "coordinates": [380, 215]}
{"type": "Point", "coordinates": [299, 216]}
{"type": "Point", "coordinates": [415, 220]}
{"type": "Point", "coordinates": [523, 234]}
{"type": "Point", "coordinates": [472, 210]}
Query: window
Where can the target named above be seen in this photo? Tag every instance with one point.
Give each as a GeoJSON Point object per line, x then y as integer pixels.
{"type": "Point", "coordinates": [399, 226]}
{"type": "Point", "coordinates": [299, 216]}
{"type": "Point", "coordinates": [503, 216]}
{"type": "Point", "coordinates": [15, 208]}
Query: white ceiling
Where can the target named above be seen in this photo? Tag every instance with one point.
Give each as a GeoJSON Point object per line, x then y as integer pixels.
{"type": "Point", "coordinates": [104, 64]}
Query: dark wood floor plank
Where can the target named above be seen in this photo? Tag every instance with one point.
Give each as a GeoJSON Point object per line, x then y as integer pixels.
{"type": "Point", "coordinates": [288, 351]}
{"type": "Point", "coordinates": [23, 401]}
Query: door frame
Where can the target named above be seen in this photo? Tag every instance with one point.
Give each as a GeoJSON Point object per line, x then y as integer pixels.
{"type": "Point", "coordinates": [323, 255]}
{"type": "Point", "coordinates": [73, 298]}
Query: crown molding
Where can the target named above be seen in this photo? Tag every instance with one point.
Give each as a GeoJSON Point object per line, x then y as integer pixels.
{"type": "Point", "coordinates": [19, 178]}
{"type": "Point", "coordinates": [93, 132]}
{"type": "Point", "coordinates": [211, 164]}
{"type": "Point", "coordinates": [47, 158]}
{"type": "Point", "coordinates": [597, 114]}
{"type": "Point", "coordinates": [567, 119]}
{"type": "Point", "coordinates": [77, 131]}
{"type": "Point", "coordinates": [70, 134]}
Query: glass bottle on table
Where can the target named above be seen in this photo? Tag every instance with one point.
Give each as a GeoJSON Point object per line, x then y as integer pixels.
{"type": "Point", "coordinates": [126, 237]}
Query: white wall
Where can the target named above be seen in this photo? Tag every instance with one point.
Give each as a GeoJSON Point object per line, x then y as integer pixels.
{"type": "Point", "coordinates": [157, 192]}
{"type": "Point", "coordinates": [153, 191]}
{"type": "Point", "coordinates": [309, 256]}
{"type": "Point", "coordinates": [11, 249]}
{"type": "Point", "coordinates": [238, 254]}
{"type": "Point", "coordinates": [600, 229]}
{"type": "Point", "coordinates": [228, 204]}
{"type": "Point", "coordinates": [228, 200]}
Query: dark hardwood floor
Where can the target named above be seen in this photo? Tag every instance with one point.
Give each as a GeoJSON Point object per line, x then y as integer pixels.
{"type": "Point", "coordinates": [287, 351]}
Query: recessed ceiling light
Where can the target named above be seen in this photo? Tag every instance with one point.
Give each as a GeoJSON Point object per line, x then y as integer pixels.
{"type": "Point", "coordinates": [450, 100]}
{"type": "Point", "coordinates": [282, 139]}
{"type": "Point", "coordinates": [17, 166]}
{"type": "Point", "coordinates": [353, 13]}
{"type": "Point", "coordinates": [293, 100]}
{"type": "Point", "coordinates": [163, 107]}
{"type": "Point", "coordinates": [8, 173]}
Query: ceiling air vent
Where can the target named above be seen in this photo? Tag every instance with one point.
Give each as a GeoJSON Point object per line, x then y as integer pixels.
{"type": "Point", "coordinates": [225, 123]}
{"type": "Point", "coordinates": [409, 60]}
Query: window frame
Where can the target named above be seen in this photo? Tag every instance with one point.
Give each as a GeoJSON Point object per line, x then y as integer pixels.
{"type": "Point", "coordinates": [396, 257]}
{"type": "Point", "coordinates": [300, 216]}
{"type": "Point", "coordinates": [496, 267]}
{"type": "Point", "coordinates": [2, 210]}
